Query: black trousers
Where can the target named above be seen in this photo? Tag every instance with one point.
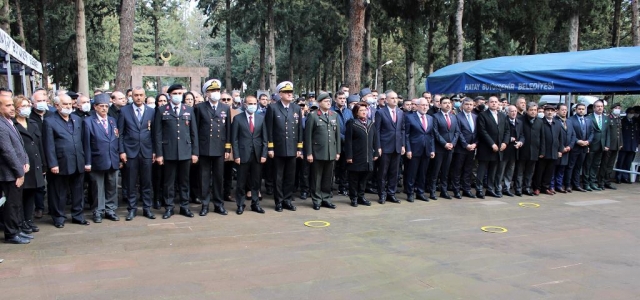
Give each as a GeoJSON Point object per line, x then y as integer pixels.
{"type": "Point", "coordinates": [625, 158]}
{"type": "Point", "coordinates": [544, 172]}
{"type": "Point", "coordinates": [606, 167]}
{"type": "Point", "coordinates": [211, 176]}
{"type": "Point", "coordinates": [158, 182]}
{"type": "Point", "coordinates": [358, 183]}
{"type": "Point", "coordinates": [461, 169]}
{"type": "Point", "coordinates": [488, 168]}
{"type": "Point", "coordinates": [249, 174]}
{"type": "Point", "coordinates": [388, 174]}
{"type": "Point", "coordinates": [440, 167]}
{"type": "Point", "coordinates": [302, 175]}
{"type": "Point", "coordinates": [285, 171]}
{"type": "Point", "coordinates": [137, 170]}
{"type": "Point", "coordinates": [28, 203]}
{"type": "Point", "coordinates": [416, 174]}
{"type": "Point", "coordinates": [195, 183]}
{"type": "Point", "coordinates": [592, 167]}
{"type": "Point", "coordinates": [321, 180]}
{"type": "Point", "coordinates": [39, 198]}
{"type": "Point", "coordinates": [341, 172]}
{"type": "Point", "coordinates": [524, 177]}
{"type": "Point", "coordinates": [61, 186]}
{"type": "Point", "coordinates": [12, 208]}
{"type": "Point", "coordinates": [227, 183]}
{"type": "Point", "coordinates": [574, 169]}
{"type": "Point", "coordinates": [269, 174]}
{"type": "Point", "coordinates": [176, 169]}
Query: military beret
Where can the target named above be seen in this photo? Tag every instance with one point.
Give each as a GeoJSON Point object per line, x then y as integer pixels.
{"type": "Point", "coordinates": [275, 97]}
{"type": "Point", "coordinates": [101, 99]}
{"type": "Point", "coordinates": [174, 87]}
{"type": "Point", "coordinates": [285, 86]}
{"type": "Point", "coordinates": [353, 98]}
{"type": "Point", "coordinates": [478, 98]}
{"type": "Point", "coordinates": [313, 105]}
{"type": "Point", "coordinates": [210, 85]}
{"type": "Point", "coordinates": [73, 95]}
{"type": "Point", "coordinates": [364, 92]}
{"type": "Point", "coordinates": [616, 104]}
{"type": "Point", "coordinates": [323, 96]}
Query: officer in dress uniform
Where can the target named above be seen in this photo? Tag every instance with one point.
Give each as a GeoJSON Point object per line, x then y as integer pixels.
{"type": "Point", "coordinates": [322, 147]}
{"type": "Point", "coordinates": [284, 130]}
{"type": "Point", "coordinates": [176, 147]}
{"type": "Point", "coordinates": [609, 157]}
{"type": "Point", "coordinates": [214, 129]}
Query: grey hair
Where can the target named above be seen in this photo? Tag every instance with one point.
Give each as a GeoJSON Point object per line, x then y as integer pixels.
{"type": "Point", "coordinates": [531, 104]}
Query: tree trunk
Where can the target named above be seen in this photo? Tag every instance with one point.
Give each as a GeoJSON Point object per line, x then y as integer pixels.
{"type": "Point", "coordinates": [367, 47]}
{"type": "Point", "coordinates": [42, 43]}
{"type": "Point", "coordinates": [342, 64]}
{"type": "Point", "coordinates": [533, 47]}
{"type": "Point", "coordinates": [20, 23]}
{"type": "Point", "coordinates": [272, 47]}
{"type": "Point", "coordinates": [478, 31]}
{"type": "Point", "coordinates": [291, 59]}
{"type": "Point", "coordinates": [227, 51]}
{"type": "Point", "coordinates": [574, 30]}
{"type": "Point", "coordinates": [635, 22]}
{"type": "Point", "coordinates": [615, 29]}
{"type": "Point", "coordinates": [433, 27]}
{"type": "Point", "coordinates": [125, 58]}
{"type": "Point", "coordinates": [459, 32]}
{"type": "Point", "coordinates": [81, 48]}
{"type": "Point", "coordinates": [5, 16]}
{"type": "Point", "coordinates": [378, 63]}
{"type": "Point", "coordinates": [355, 41]}
{"type": "Point", "coordinates": [156, 41]}
{"type": "Point", "coordinates": [411, 73]}
{"type": "Point", "coordinates": [450, 39]}
{"type": "Point", "coordinates": [263, 47]}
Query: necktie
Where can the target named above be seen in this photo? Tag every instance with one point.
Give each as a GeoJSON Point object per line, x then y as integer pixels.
{"type": "Point", "coordinates": [251, 124]}
{"type": "Point", "coordinates": [424, 122]}
{"type": "Point", "coordinates": [175, 109]}
{"type": "Point", "coordinates": [582, 127]}
{"type": "Point", "coordinates": [393, 115]}
{"type": "Point", "coordinates": [214, 110]}
{"type": "Point", "coordinates": [599, 122]}
{"type": "Point", "coordinates": [471, 125]}
{"type": "Point", "coordinates": [446, 116]}
{"type": "Point", "coordinates": [495, 116]}
{"type": "Point", "coordinates": [139, 115]}
{"type": "Point", "coordinates": [11, 125]}
{"type": "Point", "coordinates": [106, 127]}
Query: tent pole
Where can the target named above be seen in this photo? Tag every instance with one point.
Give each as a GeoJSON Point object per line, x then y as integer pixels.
{"type": "Point", "coordinates": [23, 78]}
{"type": "Point", "coordinates": [7, 60]}
{"type": "Point", "coordinates": [568, 101]}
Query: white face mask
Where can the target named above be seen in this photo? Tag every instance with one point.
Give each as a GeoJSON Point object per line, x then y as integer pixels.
{"type": "Point", "coordinates": [66, 111]}
{"type": "Point", "coordinates": [616, 112]}
{"type": "Point", "coordinates": [371, 101]}
{"type": "Point", "coordinates": [152, 105]}
{"type": "Point", "coordinates": [176, 99]}
{"type": "Point", "coordinates": [252, 108]}
{"type": "Point", "coordinates": [86, 107]}
{"type": "Point", "coordinates": [214, 96]}
{"type": "Point", "coordinates": [540, 115]}
{"type": "Point", "coordinates": [24, 112]}
{"type": "Point", "coordinates": [237, 100]}
{"type": "Point", "coordinates": [129, 100]}
{"type": "Point", "coordinates": [42, 106]}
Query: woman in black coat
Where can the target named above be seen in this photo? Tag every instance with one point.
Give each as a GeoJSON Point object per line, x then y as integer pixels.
{"type": "Point", "coordinates": [157, 170]}
{"type": "Point", "coordinates": [34, 179]}
{"type": "Point", "coordinates": [361, 151]}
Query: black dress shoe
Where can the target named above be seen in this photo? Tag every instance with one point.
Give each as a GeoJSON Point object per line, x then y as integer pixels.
{"type": "Point", "coordinates": [279, 207]}
{"type": "Point", "coordinates": [498, 195]}
{"type": "Point", "coordinates": [316, 206]}
{"type": "Point", "coordinates": [328, 205]}
{"type": "Point", "coordinates": [240, 209]}
{"type": "Point", "coordinates": [393, 199]}
{"type": "Point", "coordinates": [34, 228]}
{"type": "Point", "coordinates": [257, 208]}
{"type": "Point", "coordinates": [410, 198]}
{"type": "Point", "coordinates": [26, 228]}
{"type": "Point", "coordinates": [58, 225]}
{"type": "Point", "coordinates": [25, 235]}
{"type": "Point", "coordinates": [371, 191]}
{"type": "Point", "coordinates": [186, 212]}
{"type": "Point", "coordinates": [609, 186]}
{"type": "Point", "coordinates": [97, 218]}
{"type": "Point", "coordinates": [492, 194]}
{"type": "Point", "coordinates": [528, 192]}
{"type": "Point", "coordinates": [432, 196]}
{"type": "Point", "coordinates": [130, 215]}
{"type": "Point", "coordinates": [364, 201]}
{"type": "Point", "coordinates": [220, 210]}
{"type": "Point", "coordinates": [422, 197]}
{"type": "Point", "coordinates": [468, 194]}
{"type": "Point", "coordinates": [269, 191]}
{"type": "Point", "coordinates": [354, 202]}
{"type": "Point", "coordinates": [588, 189]}
{"type": "Point", "coordinates": [168, 213]}
{"type": "Point", "coordinates": [519, 193]}
{"type": "Point", "coordinates": [289, 206]}
{"type": "Point", "coordinates": [83, 222]}
{"type": "Point", "coordinates": [508, 193]}
{"type": "Point", "coordinates": [595, 188]}
{"type": "Point", "coordinates": [196, 201]}
{"type": "Point", "coordinates": [457, 195]}
{"type": "Point", "coordinates": [156, 204]}
{"type": "Point", "coordinates": [112, 217]}
{"type": "Point", "coordinates": [480, 195]}
{"type": "Point", "coordinates": [204, 211]}
{"type": "Point", "coordinates": [445, 195]}
{"type": "Point", "coordinates": [343, 193]}
{"type": "Point", "coordinates": [147, 213]}
{"type": "Point", "coordinates": [17, 240]}
{"type": "Point", "coordinates": [303, 196]}
{"type": "Point", "coordinates": [580, 189]}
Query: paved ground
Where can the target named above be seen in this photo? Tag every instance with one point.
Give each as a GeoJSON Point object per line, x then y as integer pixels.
{"type": "Point", "coordinates": [435, 250]}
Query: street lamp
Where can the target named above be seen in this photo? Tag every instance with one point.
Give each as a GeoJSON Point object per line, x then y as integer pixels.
{"type": "Point", "coordinates": [380, 67]}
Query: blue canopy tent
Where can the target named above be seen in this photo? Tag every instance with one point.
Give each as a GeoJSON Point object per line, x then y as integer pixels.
{"type": "Point", "coordinates": [615, 70]}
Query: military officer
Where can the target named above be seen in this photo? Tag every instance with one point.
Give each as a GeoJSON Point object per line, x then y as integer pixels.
{"type": "Point", "coordinates": [176, 147]}
{"type": "Point", "coordinates": [214, 131]}
{"type": "Point", "coordinates": [284, 131]}
{"type": "Point", "coordinates": [609, 157]}
{"type": "Point", "coordinates": [322, 147]}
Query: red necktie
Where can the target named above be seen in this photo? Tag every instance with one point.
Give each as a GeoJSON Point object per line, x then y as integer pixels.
{"type": "Point", "coordinates": [424, 122]}
{"type": "Point", "coordinates": [393, 115]}
{"type": "Point", "coordinates": [251, 124]}
{"type": "Point", "coordinates": [446, 116]}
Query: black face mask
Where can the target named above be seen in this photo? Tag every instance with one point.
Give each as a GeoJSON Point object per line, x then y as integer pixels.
{"type": "Point", "coordinates": [481, 107]}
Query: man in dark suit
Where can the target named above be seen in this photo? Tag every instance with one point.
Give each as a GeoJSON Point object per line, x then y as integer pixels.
{"type": "Point", "coordinates": [446, 133]}
{"type": "Point", "coordinates": [609, 157]}
{"type": "Point", "coordinates": [464, 153]}
{"type": "Point", "coordinates": [510, 156]}
{"type": "Point", "coordinates": [249, 143]}
{"type": "Point", "coordinates": [568, 139]}
{"type": "Point", "coordinates": [389, 123]}
{"type": "Point", "coordinates": [15, 163]}
{"type": "Point", "coordinates": [136, 152]}
{"type": "Point", "coordinates": [420, 149]}
{"type": "Point", "coordinates": [600, 144]}
{"type": "Point", "coordinates": [322, 147]}
{"type": "Point", "coordinates": [552, 151]}
{"type": "Point", "coordinates": [176, 147]}
{"type": "Point", "coordinates": [39, 111]}
{"type": "Point", "coordinates": [285, 138]}
{"type": "Point", "coordinates": [493, 138]}
{"type": "Point", "coordinates": [530, 152]}
{"type": "Point", "coordinates": [101, 141]}
{"type": "Point", "coordinates": [583, 129]}
{"type": "Point", "coordinates": [214, 130]}
{"type": "Point", "coordinates": [630, 138]}
{"type": "Point", "coordinates": [64, 152]}
{"type": "Point", "coordinates": [118, 101]}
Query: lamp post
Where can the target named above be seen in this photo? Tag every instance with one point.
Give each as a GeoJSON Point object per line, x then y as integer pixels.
{"type": "Point", "coordinates": [378, 68]}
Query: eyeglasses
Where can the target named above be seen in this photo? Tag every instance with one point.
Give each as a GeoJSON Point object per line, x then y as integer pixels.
{"type": "Point", "coordinates": [302, 105]}
{"type": "Point", "coordinates": [225, 99]}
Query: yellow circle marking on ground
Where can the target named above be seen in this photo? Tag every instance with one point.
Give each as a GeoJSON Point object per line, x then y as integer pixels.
{"type": "Point", "coordinates": [493, 229]}
{"type": "Point", "coordinates": [529, 204]}
{"type": "Point", "coordinates": [317, 224]}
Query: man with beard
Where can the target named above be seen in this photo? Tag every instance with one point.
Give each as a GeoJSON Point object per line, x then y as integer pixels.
{"type": "Point", "coordinates": [583, 129]}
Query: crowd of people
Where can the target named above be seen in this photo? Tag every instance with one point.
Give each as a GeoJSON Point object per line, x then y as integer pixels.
{"type": "Point", "coordinates": [186, 147]}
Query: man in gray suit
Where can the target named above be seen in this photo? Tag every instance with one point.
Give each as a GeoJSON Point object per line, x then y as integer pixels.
{"type": "Point", "coordinates": [600, 145]}
{"type": "Point", "coordinates": [15, 163]}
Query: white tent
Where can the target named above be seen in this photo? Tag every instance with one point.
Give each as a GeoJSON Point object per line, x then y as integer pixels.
{"type": "Point", "coordinates": [17, 61]}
